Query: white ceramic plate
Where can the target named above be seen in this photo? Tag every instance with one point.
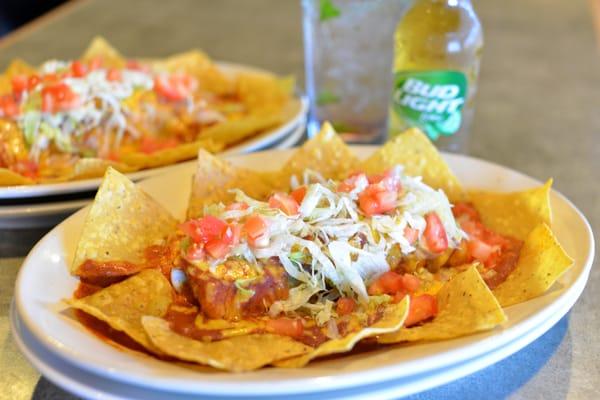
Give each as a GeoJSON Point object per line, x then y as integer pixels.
{"type": "Point", "coordinates": [38, 215]}
{"type": "Point", "coordinates": [91, 386]}
{"type": "Point", "coordinates": [41, 310]}
{"type": "Point", "coordinates": [262, 141]}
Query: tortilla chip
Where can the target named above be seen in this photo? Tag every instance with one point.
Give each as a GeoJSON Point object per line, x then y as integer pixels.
{"type": "Point", "coordinates": [262, 91]}
{"type": "Point", "coordinates": [193, 61]}
{"type": "Point", "coordinates": [197, 63]}
{"type": "Point", "coordinates": [10, 178]}
{"type": "Point", "coordinates": [514, 214]}
{"type": "Point", "coordinates": [240, 353]}
{"type": "Point", "coordinates": [466, 305]}
{"type": "Point", "coordinates": [123, 305]}
{"type": "Point", "coordinates": [214, 178]}
{"type": "Point", "coordinates": [122, 222]}
{"type": "Point", "coordinates": [95, 167]}
{"type": "Point", "coordinates": [326, 153]}
{"type": "Point", "coordinates": [169, 156]}
{"type": "Point", "coordinates": [16, 67]}
{"type": "Point", "coordinates": [541, 262]}
{"type": "Point", "coordinates": [228, 328]}
{"type": "Point", "coordinates": [234, 131]}
{"type": "Point", "coordinates": [393, 318]}
{"type": "Point", "coordinates": [100, 48]}
{"type": "Point", "coordinates": [418, 155]}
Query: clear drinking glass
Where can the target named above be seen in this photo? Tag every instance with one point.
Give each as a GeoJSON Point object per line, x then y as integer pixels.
{"type": "Point", "coordinates": [348, 54]}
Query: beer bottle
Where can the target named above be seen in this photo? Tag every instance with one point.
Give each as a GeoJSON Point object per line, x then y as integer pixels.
{"type": "Point", "coordinates": [438, 45]}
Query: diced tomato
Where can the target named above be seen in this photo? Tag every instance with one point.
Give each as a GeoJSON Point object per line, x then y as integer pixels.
{"type": "Point", "coordinates": [411, 283]}
{"type": "Point", "coordinates": [375, 288]}
{"type": "Point", "coordinates": [460, 209]}
{"type": "Point", "coordinates": [394, 283]}
{"type": "Point", "coordinates": [113, 74]}
{"type": "Point", "coordinates": [375, 199]}
{"type": "Point", "coordinates": [285, 203]}
{"type": "Point", "coordinates": [421, 308]}
{"type": "Point", "coordinates": [389, 282]}
{"type": "Point", "coordinates": [214, 234]}
{"type": "Point", "coordinates": [8, 106]}
{"type": "Point", "coordinates": [299, 194]}
{"type": "Point", "coordinates": [482, 251]}
{"type": "Point", "coordinates": [192, 229]}
{"type": "Point", "coordinates": [495, 251]}
{"type": "Point", "coordinates": [204, 229]}
{"type": "Point", "coordinates": [78, 69]}
{"type": "Point", "coordinates": [113, 155]}
{"type": "Point", "coordinates": [212, 228]}
{"type": "Point", "coordinates": [26, 168]}
{"type": "Point", "coordinates": [58, 97]}
{"type": "Point", "coordinates": [399, 296]}
{"type": "Point", "coordinates": [50, 78]}
{"type": "Point", "coordinates": [136, 65]}
{"type": "Point", "coordinates": [19, 84]}
{"type": "Point", "coordinates": [411, 234]}
{"type": "Point", "coordinates": [217, 248]}
{"type": "Point", "coordinates": [150, 144]}
{"type": "Point", "coordinates": [237, 206]}
{"type": "Point", "coordinates": [286, 326]}
{"type": "Point", "coordinates": [349, 183]}
{"type": "Point", "coordinates": [368, 205]}
{"type": "Point", "coordinates": [435, 234]}
{"type": "Point", "coordinates": [33, 81]}
{"type": "Point", "coordinates": [386, 200]}
{"type": "Point", "coordinates": [195, 252]}
{"type": "Point", "coordinates": [388, 180]}
{"type": "Point", "coordinates": [175, 87]}
{"type": "Point", "coordinates": [256, 229]}
{"type": "Point", "coordinates": [345, 305]}
{"type": "Point", "coordinates": [95, 63]}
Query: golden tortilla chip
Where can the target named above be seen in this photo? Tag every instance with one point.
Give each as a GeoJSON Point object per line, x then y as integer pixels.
{"type": "Point", "coordinates": [466, 305]}
{"type": "Point", "coordinates": [262, 91]}
{"type": "Point", "coordinates": [418, 155]}
{"type": "Point", "coordinates": [86, 168]}
{"type": "Point", "coordinates": [123, 304]}
{"type": "Point", "coordinates": [214, 178]}
{"type": "Point", "coordinates": [170, 156]}
{"type": "Point", "coordinates": [100, 48]}
{"type": "Point", "coordinates": [541, 262]}
{"type": "Point", "coordinates": [10, 178]}
{"type": "Point", "coordinates": [234, 131]}
{"type": "Point", "coordinates": [16, 67]}
{"type": "Point", "coordinates": [393, 318]}
{"type": "Point", "coordinates": [228, 328]}
{"type": "Point", "coordinates": [239, 353]}
{"type": "Point", "coordinates": [326, 153]}
{"type": "Point", "coordinates": [122, 222]}
{"type": "Point", "coordinates": [514, 214]}
{"type": "Point", "coordinates": [193, 61]}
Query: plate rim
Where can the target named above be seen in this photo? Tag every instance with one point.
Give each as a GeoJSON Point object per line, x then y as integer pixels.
{"type": "Point", "coordinates": [466, 368]}
{"type": "Point", "coordinates": [309, 384]}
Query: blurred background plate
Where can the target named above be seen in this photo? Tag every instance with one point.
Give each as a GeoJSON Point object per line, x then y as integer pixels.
{"type": "Point", "coordinates": [261, 141]}
{"type": "Point", "coordinates": [48, 211]}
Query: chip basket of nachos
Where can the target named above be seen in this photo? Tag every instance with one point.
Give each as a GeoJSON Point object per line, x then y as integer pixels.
{"type": "Point", "coordinates": [70, 120]}
{"type": "Point", "coordinates": [324, 257]}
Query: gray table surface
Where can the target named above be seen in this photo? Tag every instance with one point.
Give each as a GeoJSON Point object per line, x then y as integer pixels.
{"type": "Point", "coordinates": [537, 112]}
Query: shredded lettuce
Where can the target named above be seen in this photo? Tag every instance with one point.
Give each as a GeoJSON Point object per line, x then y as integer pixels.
{"type": "Point", "coordinates": [331, 248]}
